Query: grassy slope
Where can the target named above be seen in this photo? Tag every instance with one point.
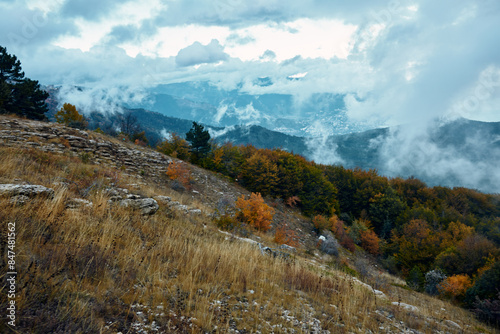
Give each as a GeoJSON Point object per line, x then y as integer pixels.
{"type": "Point", "coordinates": [107, 269]}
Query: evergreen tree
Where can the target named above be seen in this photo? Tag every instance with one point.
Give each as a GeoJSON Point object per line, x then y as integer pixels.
{"type": "Point", "coordinates": [200, 141]}
{"type": "Point", "coordinates": [19, 95]}
{"type": "Point", "coordinates": [10, 67]}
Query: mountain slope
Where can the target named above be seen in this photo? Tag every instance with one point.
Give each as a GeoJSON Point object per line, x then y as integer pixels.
{"type": "Point", "coordinates": [104, 266]}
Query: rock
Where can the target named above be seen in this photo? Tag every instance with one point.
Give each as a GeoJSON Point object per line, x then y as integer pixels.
{"type": "Point", "coordinates": [194, 212]}
{"type": "Point", "coordinates": [452, 324]}
{"type": "Point", "coordinates": [288, 248]}
{"type": "Point", "coordinates": [19, 200]}
{"type": "Point", "coordinates": [163, 199]}
{"type": "Point", "coordinates": [76, 203]}
{"type": "Point", "coordinates": [11, 190]}
{"type": "Point", "coordinates": [406, 306]}
{"type": "Point", "coordinates": [148, 206]}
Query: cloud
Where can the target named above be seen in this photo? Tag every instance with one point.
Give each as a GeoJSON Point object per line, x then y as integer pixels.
{"type": "Point", "coordinates": [197, 53]}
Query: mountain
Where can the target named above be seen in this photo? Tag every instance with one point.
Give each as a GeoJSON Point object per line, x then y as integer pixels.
{"type": "Point", "coordinates": [110, 244]}
{"type": "Point", "coordinates": [206, 103]}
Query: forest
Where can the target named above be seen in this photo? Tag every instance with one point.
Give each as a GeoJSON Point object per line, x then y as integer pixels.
{"type": "Point", "coordinates": [444, 241]}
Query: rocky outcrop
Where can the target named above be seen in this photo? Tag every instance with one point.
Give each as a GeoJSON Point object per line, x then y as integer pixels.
{"type": "Point", "coordinates": [55, 138]}
{"type": "Point", "coordinates": [25, 190]}
{"type": "Point", "coordinates": [148, 206]}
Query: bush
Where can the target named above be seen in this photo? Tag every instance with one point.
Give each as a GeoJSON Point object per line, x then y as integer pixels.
{"type": "Point", "coordinates": [255, 212]}
{"type": "Point", "coordinates": [432, 280]}
{"type": "Point", "coordinates": [488, 310]}
{"type": "Point", "coordinates": [286, 236]}
{"type": "Point", "coordinates": [455, 286]}
{"type": "Point", "coordinates": [415, 279]}
{"type": "Point", "coordinates": [370, 242]}
{"type": "Point", "coordinates": [329, 246]}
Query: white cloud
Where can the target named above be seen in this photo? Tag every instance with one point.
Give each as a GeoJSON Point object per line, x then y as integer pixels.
{"type": "Point", "coordinates": [197, 53]}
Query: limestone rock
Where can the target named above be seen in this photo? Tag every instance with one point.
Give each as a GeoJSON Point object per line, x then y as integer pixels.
{"type": "Point", "coordinates": [11, 190]}
{"type": "Point", "coordinates": [148, 206]}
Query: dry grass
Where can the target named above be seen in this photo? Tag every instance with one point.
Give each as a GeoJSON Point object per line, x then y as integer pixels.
{"type": "Point", "coordinates": [107, 269]}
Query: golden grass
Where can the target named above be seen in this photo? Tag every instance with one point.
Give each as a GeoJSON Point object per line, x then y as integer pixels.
{"type": "Point", "coordinates": [107, 269]}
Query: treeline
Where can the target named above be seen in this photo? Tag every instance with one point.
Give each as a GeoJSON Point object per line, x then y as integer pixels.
{"type": "Point", "coordinates": [419, 231]}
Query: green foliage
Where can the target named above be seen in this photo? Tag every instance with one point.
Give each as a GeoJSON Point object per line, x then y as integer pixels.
{"type": "Point", "coordinates": [485, 287]}
{"type": "Point", "coordinates": [199, 138]}
{"type": "Point", "coordinates": [415, 279]}
{"type": "Point", "coordinates": [19, 95]}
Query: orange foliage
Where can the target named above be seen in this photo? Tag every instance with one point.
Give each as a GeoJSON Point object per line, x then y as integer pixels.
{"type": "Point", "coordinates": [370, 242]}
{"type": "Point", "coordinates": [339, 230]}
{"type": "Point", "coordinates": [455, 286]}
{"type": "Point", "coordinates": [321, 223]}
{"type": "Point", "coordinates": [286, 236]}
{"type": "Point", "coordinates": [177, 171]}
{"type": "Point", "coordinates": [255, 212]}
{"type": "Point", "coordinates": [292, 201]}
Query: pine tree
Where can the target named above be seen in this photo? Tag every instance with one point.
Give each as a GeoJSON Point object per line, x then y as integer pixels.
{"type": "Point", "coordinates": [200, 141]}
{"type": "Point", "coordinates": [19, 95]}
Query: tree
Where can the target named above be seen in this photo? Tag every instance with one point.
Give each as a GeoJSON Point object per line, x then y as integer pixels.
{"type": "Point", "coordinates": [255, 212]}
{"type": "Point", "coordinates": [129, 124]}
{"type": "Point", "coordinates": [10, 68]}
{"type": "Point", "coordinates": [19, 95]}
{"type": "Point", "coordinates": [28, 100]}
{"type": "Point", "coordinates": [200, 141]}
{"type": "Point", "coordinates": [175, 146]}
{"type": "Point", "coordinates": [69, 116]}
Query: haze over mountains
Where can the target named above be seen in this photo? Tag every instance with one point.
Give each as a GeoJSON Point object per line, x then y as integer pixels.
{"type": "Point", "coordinates": [454, 152]}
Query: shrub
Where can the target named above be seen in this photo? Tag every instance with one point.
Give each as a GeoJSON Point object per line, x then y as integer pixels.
{"type": "Point", "coordinates": [432, 280]}
{"type": "Point", "coordinates": [485, 287]}
{"type": "Point", "coordinates": [488, 310]}
{"type": "Point", "coordinates": [370, 242]}
{"type": "Point", "coordinates": [330, 245]}
{"type": "Point", "coordinates": [321, 223]}
{"type": "Point", "coordinates": [415, 279]}
{"type": "Point", "coordinates": [255, 212]}
{"type": "Point", "coordinates": [178, 172]}
{"type": "Point", "coordinates": [455, 286]}
{"type": "Point", "coordinates": [344, 239]}
{"type": "Point", "coordinates": [285, 235]}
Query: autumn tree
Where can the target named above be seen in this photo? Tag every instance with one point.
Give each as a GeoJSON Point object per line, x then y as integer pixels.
{"type": "Point", "coordinates": [455, 286]}
{"type": "Point", "coordinates": [417, 245]}
{"type": "Point", "coordinates": [175, 146]}
{"type": "Point", "coordinates": [255, 212]}
{"type": "Point", "coordinates": [260, 174]}
{"type": "Point", "coordinates": [68, 115]}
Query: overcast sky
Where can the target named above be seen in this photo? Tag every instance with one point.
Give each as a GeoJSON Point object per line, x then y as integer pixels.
{"type": "Point", "coordinates": [396, 61]}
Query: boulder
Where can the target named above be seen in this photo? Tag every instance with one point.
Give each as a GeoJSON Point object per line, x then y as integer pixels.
{"type": "Point", "coordinates": [148, 206]}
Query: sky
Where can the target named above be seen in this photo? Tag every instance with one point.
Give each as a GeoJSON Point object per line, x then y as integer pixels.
{"type": "Point", "coordinates": [396, 62]}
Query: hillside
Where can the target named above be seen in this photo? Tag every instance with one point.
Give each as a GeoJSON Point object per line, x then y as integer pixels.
{"type": "Point", "coordinates": [105, 242]}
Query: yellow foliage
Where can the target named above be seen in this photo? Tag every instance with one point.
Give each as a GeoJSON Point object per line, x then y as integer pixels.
{"type": "Point", "coordinates": [255, 212]}
{"type": "Point", "coordinates": [68, 114]}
